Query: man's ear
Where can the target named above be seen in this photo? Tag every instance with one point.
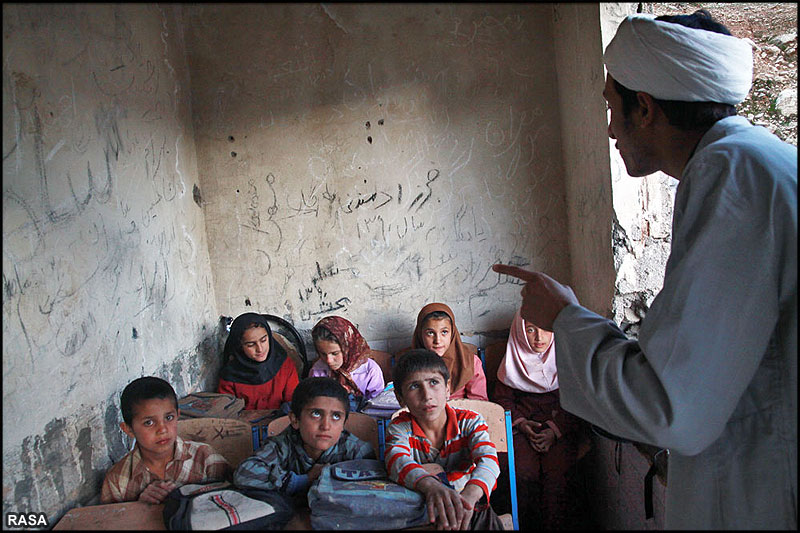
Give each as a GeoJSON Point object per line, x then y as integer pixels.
{"type": "Point", "coordinates": [294, 421]}
{"type": "Point", "coordinates": [127, 429]}
{"type": "Point", "coordinates": [647, 108]}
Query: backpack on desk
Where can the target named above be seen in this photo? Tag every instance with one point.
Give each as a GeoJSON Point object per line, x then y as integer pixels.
{"type": "Point", "coordinates": [220, 505]}
{"type": "Point", "coordinates": [358, 494]}
{"type": "Point", "coordinates": [210, 404]}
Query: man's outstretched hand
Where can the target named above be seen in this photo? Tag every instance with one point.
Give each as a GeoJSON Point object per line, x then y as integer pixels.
{"type": "Point", "coordinates": [542, 296]}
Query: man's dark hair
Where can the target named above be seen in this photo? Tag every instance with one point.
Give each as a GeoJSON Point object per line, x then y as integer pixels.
{"type": "Point", "coordinates": [141, 389]}
{"type": "Point", "coordinates": [321, 333]}
{"type": "Point", "coordinates": [697, 116]}
{"type": "Point", "coordinates": [311, 388]}
{"type": "Point", "coordinates": [417, 360]}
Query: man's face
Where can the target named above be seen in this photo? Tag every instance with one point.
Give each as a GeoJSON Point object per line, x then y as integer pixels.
{"type": "Point", "coordinates": [635, 147]}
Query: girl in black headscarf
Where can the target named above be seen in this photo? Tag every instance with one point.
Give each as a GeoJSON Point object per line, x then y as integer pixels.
{"type": "Point", "coordinates": [257, 368]}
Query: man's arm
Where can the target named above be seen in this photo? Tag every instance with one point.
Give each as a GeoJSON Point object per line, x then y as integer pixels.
{"type": "Point", "coordinates": [703, 338]}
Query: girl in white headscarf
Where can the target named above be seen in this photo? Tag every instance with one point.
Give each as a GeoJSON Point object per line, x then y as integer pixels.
{"type": "Point", "coordinates": [546, 437]}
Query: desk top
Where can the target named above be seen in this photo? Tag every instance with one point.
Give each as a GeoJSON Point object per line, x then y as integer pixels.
{"type": "Point", "coordinates": [131, 516]}
{"type": "Point", "coordinates": [127, 516]}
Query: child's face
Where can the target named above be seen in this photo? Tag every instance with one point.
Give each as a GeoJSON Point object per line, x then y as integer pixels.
{"type": "Point", "coordinates": [436, 335]}
{"type": "Point", "coordinates": [154, 426]}
{"type": "Point", "coordinates": [331, 353]}
{"type": "Point", "coordinates": [320, 424]}
{"type": "Point", "coordinates": [255, 343]}
{"type": "Point", "coordinates": [538, 338]}
{"type": "Point", "coordinates": [425, 393]}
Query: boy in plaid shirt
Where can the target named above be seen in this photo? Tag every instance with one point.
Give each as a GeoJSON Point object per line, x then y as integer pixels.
{"type": "Point", "coordinates": [442, 452]}
{"type": "Point", "coordinates": [161, 460]}
{"type": "Point", "coordinates": [291, 461]}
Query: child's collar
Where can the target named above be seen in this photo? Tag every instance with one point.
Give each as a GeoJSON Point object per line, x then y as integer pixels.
{"type": "Point", "coordinates": [451, 425]}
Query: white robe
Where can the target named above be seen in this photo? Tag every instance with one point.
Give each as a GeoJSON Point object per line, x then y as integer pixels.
{"type": "Point", "coordinates": [713, 376]}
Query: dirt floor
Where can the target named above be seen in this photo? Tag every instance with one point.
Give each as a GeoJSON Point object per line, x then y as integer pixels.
{"type": "Point", "coordinates": [772, 28]}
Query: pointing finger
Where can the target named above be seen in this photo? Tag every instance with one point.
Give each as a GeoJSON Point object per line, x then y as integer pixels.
{"type": "Point", "coordinates": [521, 273]}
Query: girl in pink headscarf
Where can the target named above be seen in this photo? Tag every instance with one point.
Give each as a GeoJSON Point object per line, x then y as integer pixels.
{"type": "Point", "coordinates": [546, 437]}
{"type": "Point", "coordinates": [345, 356]}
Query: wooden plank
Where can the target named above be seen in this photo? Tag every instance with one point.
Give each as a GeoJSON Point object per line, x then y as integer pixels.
{"type": "Point", "coordinates": [127, 516]}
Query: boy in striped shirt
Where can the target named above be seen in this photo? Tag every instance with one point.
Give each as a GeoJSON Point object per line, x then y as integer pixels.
{"type": "Point", "coordinates": [443, 452]}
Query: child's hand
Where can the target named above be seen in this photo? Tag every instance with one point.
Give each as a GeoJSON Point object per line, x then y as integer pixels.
{"type": "Point", "coordinates": [470, 496]}
{"type": "Point", "coordinates": [529, 428]}
{"type": "Point", "coordinates": [157, 491]}
{"type": "Point", "coordinates": [445, 506]}
{"type": "Point", "coordinates": [542, 441]}
{"type": "Point", "coordinates": [314, 473]}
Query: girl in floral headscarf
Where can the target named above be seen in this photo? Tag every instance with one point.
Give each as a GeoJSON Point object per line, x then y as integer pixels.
{"type": "Point", "coordinates": [345, 356]}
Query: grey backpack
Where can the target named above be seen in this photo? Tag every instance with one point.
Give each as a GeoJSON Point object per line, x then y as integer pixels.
{"type": "Point", "coordinates": [358, 494]}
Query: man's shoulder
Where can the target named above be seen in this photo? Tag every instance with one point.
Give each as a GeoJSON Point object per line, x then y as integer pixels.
{"type": "Point", "coordinates": [735, 138]}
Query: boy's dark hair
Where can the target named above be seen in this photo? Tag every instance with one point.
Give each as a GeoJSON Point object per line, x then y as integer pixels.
{"type": "Point", "coordinates": [321, 333]}
{"type": "Point", "coordinates": [311, 388]}
{"type": "Point", "coordinates": [417, 360]}
{"type": "Point", "coordinates": [697, 116]}
{"type": "Point", "coordinates": [437, 315]}
{"type": "Point", "coordinates": [145, 388]}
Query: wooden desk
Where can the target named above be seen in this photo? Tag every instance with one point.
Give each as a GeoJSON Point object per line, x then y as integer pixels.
{"type": "Point", "coordinates": [126, 516]}
{"type": "Point", "coordinates": [140, 516]}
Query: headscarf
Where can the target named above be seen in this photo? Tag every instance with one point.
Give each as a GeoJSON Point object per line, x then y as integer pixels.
{"type": "Point", "coordinates": [355, 350]}
{"type": "Point", "coordinates": [460, 363]}
{"type": "Point", "coordinates": [524, 369]}
{"type": "Point", "coordinates": [241, 369]}
{"type": "Point", "coordinates": [673, 62]}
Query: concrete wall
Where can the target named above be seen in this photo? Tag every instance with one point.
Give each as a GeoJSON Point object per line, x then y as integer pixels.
{"type": "Point", "coordinates": [106, 275]}
{"type": "Point", "coordinates": [381, 158]}
{"type": "Point", "coordinates": [584, 137]}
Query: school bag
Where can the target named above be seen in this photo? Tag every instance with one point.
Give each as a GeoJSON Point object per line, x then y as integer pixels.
{"type": "Point", "coordinates": [210, 404]}
{"type": "Point", "coordinates": [221, 505]}
{"type": "Point", "coordinates": [358, 494]}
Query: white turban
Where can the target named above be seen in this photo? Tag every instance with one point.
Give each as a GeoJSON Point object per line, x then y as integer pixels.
{"type": "Point", "coordinates": [673, 62]}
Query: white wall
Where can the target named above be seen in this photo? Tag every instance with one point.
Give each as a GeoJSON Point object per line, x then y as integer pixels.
{"type": "Point", "coordinates": [463, 170]}
{"type": "Point", "coordinates": [106, 274]}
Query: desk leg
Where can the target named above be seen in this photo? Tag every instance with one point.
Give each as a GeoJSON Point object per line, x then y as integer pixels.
{"type": "Point", "coordinates": [381, 438]}
{"type": "Point", "coordinates": [256, 445]}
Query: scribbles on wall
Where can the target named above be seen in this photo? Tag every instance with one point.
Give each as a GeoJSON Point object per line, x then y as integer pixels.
{"type": "Point", "coordinates": [408, 169]}
{"type": "Point", "coordinates": [99, 237]}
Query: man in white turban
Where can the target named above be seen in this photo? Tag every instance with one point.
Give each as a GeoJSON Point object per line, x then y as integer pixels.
{"type": "Point", "coordinates": [713, 375]}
